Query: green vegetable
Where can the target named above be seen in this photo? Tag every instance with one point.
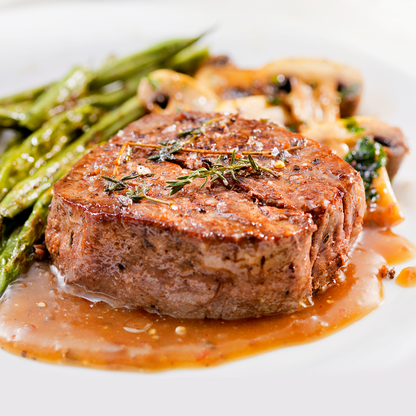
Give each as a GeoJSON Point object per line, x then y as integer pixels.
{"type": "Point", "coordinates": [188, 60]}
{"type": "Point", "coordinates": [12, 114]}
{"type": "Point", "coordinates": [367, 158]}
{"type": "Point", "coordinates": [125, 67]}
{"type": "Point", "coordinates": [352, 125]}
{"type": "Point", "coordinates": [22, 96]}
{"type": "Point", "coordinates": [18, 163]}
{"type": "Point", "coordinates": [71, 87]}
{"type": "Point", "coordinates": [127, 90]}
{"type": "Point", "coordinates": [26, 192]}
{"type": "Point", "coordinates": [7, 245]}
{"type": "Point", "coordinates": [274, 100]}
{"type": "Point", "coordinates": [18, 253]}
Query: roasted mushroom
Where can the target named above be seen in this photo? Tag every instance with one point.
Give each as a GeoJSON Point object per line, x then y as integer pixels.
{"type": "Point", "coordinates": [229, 82]}
{"type": "Point", "coordinates": [315, 91]}
{"type": "Point", "coordinates": [392, 139]}
{"type": "Point", "coordinates": [256, 107]}
{"type": "Point", "coordinates": [342, 135]}
{"type": "Point", "coordinates": [168, 91]}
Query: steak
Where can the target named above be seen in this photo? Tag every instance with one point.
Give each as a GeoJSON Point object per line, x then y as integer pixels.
{"type": "Point", "coordinates": [258, 245]}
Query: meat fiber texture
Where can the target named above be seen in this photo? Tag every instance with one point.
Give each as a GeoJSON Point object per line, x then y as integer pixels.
{"type": "Point", "coordinates": [260, 245]}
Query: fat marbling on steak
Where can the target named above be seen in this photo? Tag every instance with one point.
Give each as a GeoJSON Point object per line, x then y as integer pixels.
{"type": "Point", "coordinates": [259, 246]}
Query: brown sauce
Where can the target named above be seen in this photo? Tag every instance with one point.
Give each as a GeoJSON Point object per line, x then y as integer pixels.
{"type": "Point", "coordinates": [394, 248]}
{"type": "Point", "coordinates": [407, 277]}
{"type": "Point", "coordinates": [40, 321]}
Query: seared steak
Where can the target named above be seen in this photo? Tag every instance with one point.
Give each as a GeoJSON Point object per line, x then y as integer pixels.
{"type": "Point", "coordinates": [259, 245]}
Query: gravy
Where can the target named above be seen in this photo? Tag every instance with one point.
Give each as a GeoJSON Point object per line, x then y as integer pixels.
{"type": "Point", "coordinates": [40, 321]}
{"type": "Point", "coordinates": [394, 248]}
{"type": "Point", "coordinates": [407, 277]}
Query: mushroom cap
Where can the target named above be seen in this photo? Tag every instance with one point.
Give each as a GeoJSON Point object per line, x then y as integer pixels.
{"type": "Point", "coordinates": [178, 91]}
{"type": "Point", "coordinates": [335, 135]}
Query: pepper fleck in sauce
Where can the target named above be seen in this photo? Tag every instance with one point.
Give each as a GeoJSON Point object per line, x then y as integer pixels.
{"type": "Point", "coordinates": [39, 320]}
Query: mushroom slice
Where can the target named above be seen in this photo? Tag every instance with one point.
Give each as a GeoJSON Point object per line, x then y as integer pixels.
{"type": "Point", "coordinates": [228, 82]}
{"type": "Point", "coordinates": [256, 107]}
{"type": "Point", "coordinates": [167, 91]}
{"type": "Point", "coordinates": [392, 139]}
{"type": "Point", "coordinates": [342, 135]}
{"type": "Point", "coordinates": [317, 91]}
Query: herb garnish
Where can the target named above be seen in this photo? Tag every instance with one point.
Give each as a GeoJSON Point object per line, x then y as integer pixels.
{"type": "Point", "coordinates": [154, 83]}
{"type": "Point", "coordinates": [135, 194]}
{"type": "Point", "coordinates": [166, 153]}
{"type": "Point", "coordinates": [367, 158]}
{"type": "Point", "coordinates": [274, 100]}
{"type": "Point", "coordinates": [114, 184]}
{"type": "Point", "coordinates": [216, 172]}
{"type": "Point", "coordinates": [352, 125]}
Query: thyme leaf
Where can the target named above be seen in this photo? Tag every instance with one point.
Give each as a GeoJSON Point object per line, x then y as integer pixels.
{"type": "Point", "coordinates": [137, 194]}
{"type": "Point", "coordinates": [114, 184]}
{"type": "Point", "coordinates": [168, 149]}
{"type": "Point", "coordinates": [217, 172]}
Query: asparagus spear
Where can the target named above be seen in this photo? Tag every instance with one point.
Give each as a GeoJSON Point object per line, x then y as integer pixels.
{"type": "Point", "coordinates": [7, 245]}
{"type": "Point", "coordinates": [25, 193]}
{"type": "Point", "coordinates": [12, 114]}
{"type": "Point", "coordinates": [117, 97]}
{"type": "Point", "coordinates": [23, 96]}
{"type": "Point", "coordinates": [41, 146]}
{"type": "Point", "coordinates": [18, 253]}
{"type": "Point", "coordinates": [71, 87]}
{"type": "Point", "coordinates": [125, 67]}
{"type": "Point", "coordinates": [9, 138]}
{"type": "Point", "coordinates": [188, 60]}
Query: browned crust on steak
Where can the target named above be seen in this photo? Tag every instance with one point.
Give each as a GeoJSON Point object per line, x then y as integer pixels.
{"type": "Point", "coordinates": [259, 246]}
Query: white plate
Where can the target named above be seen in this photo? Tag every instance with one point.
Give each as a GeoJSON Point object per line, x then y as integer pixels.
{"type": "Point", "coordinates": [44, 42]}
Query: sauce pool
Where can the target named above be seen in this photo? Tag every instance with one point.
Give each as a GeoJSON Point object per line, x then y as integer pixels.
{"type": "Point", "coordinates": [394, 248]}
{"type": "Point", "coordinates": [407, 277]}
{"type": "Point", "coordinates": [38, 320]}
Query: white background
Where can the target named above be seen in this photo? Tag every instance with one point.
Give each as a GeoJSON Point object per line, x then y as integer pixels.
{"type": "Point", "coordinates": [381, 30]}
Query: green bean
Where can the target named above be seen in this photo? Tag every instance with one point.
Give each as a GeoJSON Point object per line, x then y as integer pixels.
{"type": "Point", "coordinates": [18, 253]}
{"type": "Point", "coordinates": [42, 145]}
{"type": "Point", "coordinates": [188, 60]}
{"type": "Point", "coordinates": [122, 68]}
{"type": "Point", "coordinates": [71, 87]}
{"type": "Point", "coordinates": [127, 90]}
{"type": "Point", "coordinates": [7, 245]}
{"type": "Point", "coordinates": [12, 114]}
{"type": "Point", "coordinates": [23, 96]}
{"type": "Point", "coordinates": [26, 192]}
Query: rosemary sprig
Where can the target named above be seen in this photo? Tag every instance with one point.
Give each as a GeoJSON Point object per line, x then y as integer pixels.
{"type": "Point", "coordinates": [169, 148]}
{"type": "Point", "coordinates": [217, 172]}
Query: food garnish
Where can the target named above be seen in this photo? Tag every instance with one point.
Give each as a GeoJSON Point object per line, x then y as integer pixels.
{"type": "Point", "coordinates": [367, 158]}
